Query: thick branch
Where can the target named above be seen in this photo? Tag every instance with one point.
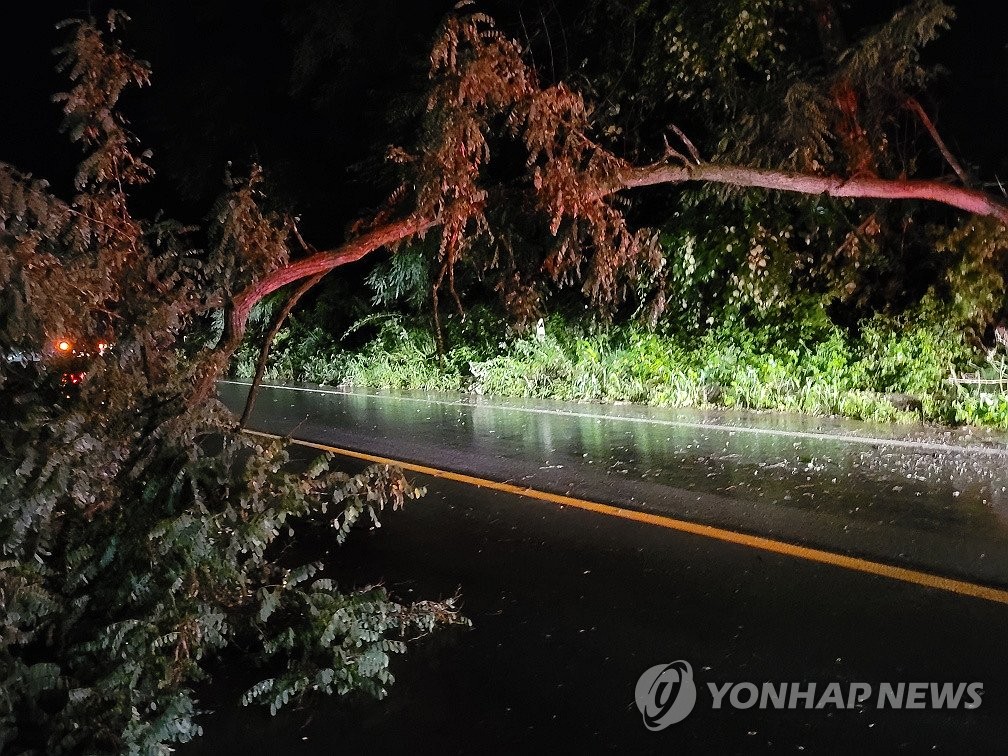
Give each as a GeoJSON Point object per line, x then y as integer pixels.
{"type": "Point", "coordinates": [863, 187]}
{"type": "Point", "coordinates": [323, 262]}
{"type": "Point", "coordinates": [237, 311]}
{"type": "Point", "coordinates": [857, 187]}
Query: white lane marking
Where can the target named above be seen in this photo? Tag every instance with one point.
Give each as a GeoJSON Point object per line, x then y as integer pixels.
{"type": "Point", "coordinates": [841, 437]}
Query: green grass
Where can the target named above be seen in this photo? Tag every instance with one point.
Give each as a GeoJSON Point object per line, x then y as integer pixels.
{"type": "Point", "coordinates": [890, 370]}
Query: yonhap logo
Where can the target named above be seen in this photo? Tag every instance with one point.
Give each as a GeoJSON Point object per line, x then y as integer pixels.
{"type": "Point", "coordinates": [665, 694]}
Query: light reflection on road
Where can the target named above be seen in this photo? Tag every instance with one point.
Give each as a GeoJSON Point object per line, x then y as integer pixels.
{"type": "Point", "coordinates": [928, 497]}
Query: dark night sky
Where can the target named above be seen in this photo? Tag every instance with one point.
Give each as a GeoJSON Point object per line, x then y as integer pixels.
{"type": "Point", "coordinates": [237, 66]}
{"type": "Point", "coordinates": [239, 63]}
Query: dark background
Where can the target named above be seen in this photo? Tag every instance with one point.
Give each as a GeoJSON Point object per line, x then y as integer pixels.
{"type": "Point", "coordinates": [315, 90]}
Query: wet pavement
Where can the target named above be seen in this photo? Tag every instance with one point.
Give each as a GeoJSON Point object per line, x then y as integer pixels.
{"type": "Point", "coordinates": [569, 608]}
{"type": "Point", "coordinates": [933, 499]}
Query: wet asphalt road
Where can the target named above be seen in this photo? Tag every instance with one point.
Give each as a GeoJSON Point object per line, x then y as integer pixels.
{"type": "Point", "coordinates": [569, 607]}
{"type": "Point", "coordinates": [934, 500]}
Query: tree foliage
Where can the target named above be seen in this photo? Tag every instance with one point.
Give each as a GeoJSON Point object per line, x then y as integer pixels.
{"type": "Point", "coordinates": [774, 94]}
{"type": "Point", "coordinates": [140, 535]}
{"type": "Point", "coordinates": [791, 85]}
{"type": "Point", "coordinates": [528, 181]}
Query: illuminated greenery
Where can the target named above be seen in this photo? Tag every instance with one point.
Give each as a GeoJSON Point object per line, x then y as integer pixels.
{"type": "Point", "coordinates": [889, 369]}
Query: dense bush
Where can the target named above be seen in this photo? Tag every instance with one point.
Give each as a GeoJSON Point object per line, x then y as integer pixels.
{"type": "Point", "coordinates": [140, 536]}
{"type": "Point", "coordinates": [890, 368]}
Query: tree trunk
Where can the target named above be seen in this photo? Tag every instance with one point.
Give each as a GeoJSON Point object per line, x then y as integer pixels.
{"type": "Point", "coordinates": [856, 187]}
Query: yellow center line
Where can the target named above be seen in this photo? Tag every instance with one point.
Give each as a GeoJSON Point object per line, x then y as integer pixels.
{"type": "Point", "coordinates": [893, 572]}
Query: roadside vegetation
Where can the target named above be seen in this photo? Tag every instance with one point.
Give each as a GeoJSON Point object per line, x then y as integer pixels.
{"type": "Point", "coordinates": [889, 369]}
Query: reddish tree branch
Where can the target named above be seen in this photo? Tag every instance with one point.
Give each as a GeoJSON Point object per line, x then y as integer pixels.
{"type": "Point", "coordinates": [323, 262]}
{"type": "Point", "coordinates": [236, 311]}
{"type": "Point", "coordinates": [856, 187]}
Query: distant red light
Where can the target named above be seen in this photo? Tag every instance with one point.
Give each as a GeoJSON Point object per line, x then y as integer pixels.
{"type": "Point", "coordinates": [72, 379]}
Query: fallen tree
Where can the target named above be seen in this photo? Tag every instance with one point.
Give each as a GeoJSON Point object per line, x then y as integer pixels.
{"type": "Point", "coordinates": [141, 537]}
{"type": "Point", "coordinates": [480, 78]}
